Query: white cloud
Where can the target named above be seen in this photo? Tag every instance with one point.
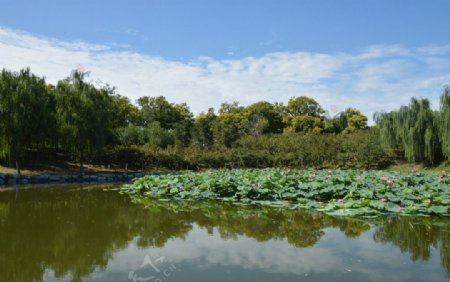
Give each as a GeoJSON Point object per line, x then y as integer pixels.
{"type": "Point", "coordinates": [374, 79]}
{"type": "Point", "coordinates": [435, 49]}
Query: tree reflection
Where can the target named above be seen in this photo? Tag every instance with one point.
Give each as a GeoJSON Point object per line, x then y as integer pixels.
{"type": "Point", "coordinates": [74, 231]}
{"type": "Point", "coordinates": [300, 228]}
{"type": "Point", "coordinates": [417, 236]}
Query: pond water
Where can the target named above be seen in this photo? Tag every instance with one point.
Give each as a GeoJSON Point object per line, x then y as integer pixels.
{"type": "Point", "coordinates": [91, 233]}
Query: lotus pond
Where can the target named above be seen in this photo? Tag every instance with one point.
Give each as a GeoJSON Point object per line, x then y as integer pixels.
{"type": "Point", "coordinates": [335, 192]}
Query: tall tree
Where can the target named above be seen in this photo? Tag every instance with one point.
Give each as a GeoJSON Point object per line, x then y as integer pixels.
{"type": "Point", "coordinates": [84, 115]}
{"type": "Point", "coordinates": [355, 120]}
{"type": "Point", "coordinates": [263, 118]}
{"type": "Point", "coordinates": [303, 114]}
{"type": "Point", "coordinates": [26, 114]}
{"type": "Point", "coordinates": [413, 129]}
{"type": "Point", "coordinates": [175, 117]}
{"type": "Point", "coordinates": [202, 130]}
{"type": "Point", "coordinates": [444, 122]}
{"type": "Point", "coordinates": [230, 125]}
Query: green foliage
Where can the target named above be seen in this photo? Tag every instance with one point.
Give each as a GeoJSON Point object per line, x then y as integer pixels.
{"type": "Point", "coordinates": [303, 114]}
{"type": "Point", "coordinates": [358, 149]}
{"type": "Point", "coordinates": [413, 130]}
{"type": "Point", "coordinates": [155, 135]}
{"type": "Point", "coordinates": [81, 120]}
{"type": "Point", "coordinates": [131, 135]}
{"type": "Point", "coordinates": [355, 150]}
{"type": "Point", "coordinates": [306, 124]}
{"type": "Point", "coordinates": [125, 113]}
{"type": "Point", "coordinates": [336, 192]}
{"type": "Point", "coordinates": [303, 106]}
{"type": "Point", "coordinates": [202, 130]}
{"type": "Point", "coordinates": [26, 114]}
{"type": "Point", "coordinates": [263, 118]}
{"type": "Point", "coordinates": [354, 119]}
{"type": "Point", "coordinates": [230, 125]}
{"type": "Point", "coordinates": [444, 122]}
{"type": "Point", "coordinates": [143, 157]}
{"type": "Point", "coordinates": [84, 115]}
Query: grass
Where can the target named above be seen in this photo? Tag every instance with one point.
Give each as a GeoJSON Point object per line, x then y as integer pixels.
{"type": "Point", "coordinates": [407, 167]}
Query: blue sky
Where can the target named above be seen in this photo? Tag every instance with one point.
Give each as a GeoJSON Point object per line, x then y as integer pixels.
{"type": "Point", "coordinates": [369, 54]}
{"type": "Point", "coordinates": [186, 29]}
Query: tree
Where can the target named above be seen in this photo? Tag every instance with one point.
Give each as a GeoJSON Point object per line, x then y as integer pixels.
{"type": "Point", "coordinates": [306, 124]}
{"type": "Point", "coordinates": [304, 106]}
{"type": "Point", "coordinates": [263, 118]}
{"type": "Point", "coordinates": [230, 125]}
{"type": "Point", "coordinates": [444, 122]}
{"type": "Point", "coordinates": [131, 135]}
{"type": "Point", "coordinates": [355, 120]}
{"type": "Point", "coordinates": [26, 114]}
{"type": "Point", "coordinates": [413, 129]}
{"type": "Point", "coordinates": [202, 131]}
{"type": "Point", "coordinates": [303, 114]}
{"type": "Point", "coordinates": [158, 136]}
{"type": "Point", "coordinates": [84, 115]}
{"type": "Point", "coordinates": [182, 124]}
{"type": "Point", "coordinates": [125, 113]}
{"type": "Point", "coordinates": [176, 117]}
{"type": "Point", "coordinates": [156, 109]}
{"type": "Point", "coordinates": [336, 124]}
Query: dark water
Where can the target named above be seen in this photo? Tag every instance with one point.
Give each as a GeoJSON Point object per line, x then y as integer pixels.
{"type": "Point", "coordinates": [81, 233]}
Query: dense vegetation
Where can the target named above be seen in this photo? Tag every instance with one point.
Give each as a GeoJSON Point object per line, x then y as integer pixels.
{"type": "Point", "coordinates": [82, 122]}
{"type": "Point", "coordinates": [337, 192]}
{"type": "Point", "coordinates": [416, 131]}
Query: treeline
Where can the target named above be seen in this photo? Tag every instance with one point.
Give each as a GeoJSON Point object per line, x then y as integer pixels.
{"type": "Point", "coordinates": [82, 122]}
{"type": "Point", "coordinates": [87, 122]}
{"type": "Point", "coordinates": [416, 132]}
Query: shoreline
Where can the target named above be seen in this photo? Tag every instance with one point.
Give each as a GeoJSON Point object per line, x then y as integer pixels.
{"type": "Point", "coordinates": [20, 179]}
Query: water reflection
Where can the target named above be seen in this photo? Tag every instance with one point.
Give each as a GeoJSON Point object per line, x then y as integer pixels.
{"type": "Point", "coordinates": [82, 233]}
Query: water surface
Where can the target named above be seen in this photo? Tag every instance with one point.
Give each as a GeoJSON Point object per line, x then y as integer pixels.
{"type": "Point", "coordinates": [84, 233]}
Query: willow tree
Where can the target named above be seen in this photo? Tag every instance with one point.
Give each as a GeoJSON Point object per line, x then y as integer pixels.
{"type": "Point", "coordinates": [26, 114]}
{"type": "Point", "coordinates": [413, 129]}
{"type": "Point", "coordinates": [444, 122]}
{"type": "Point", "coordinates": [84, 115]}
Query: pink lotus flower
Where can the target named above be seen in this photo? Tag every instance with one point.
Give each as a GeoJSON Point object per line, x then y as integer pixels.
{"type": "Point", "coordinates": [340, 200]}
{"type": "Point", "coordinates": [389, 182]}
{"type": "Point", "coordinates": [358, 177]}
{"type": "Point", "coordinates": [383, 200]}
{"type": "Point", "coordinates": [384, 178]}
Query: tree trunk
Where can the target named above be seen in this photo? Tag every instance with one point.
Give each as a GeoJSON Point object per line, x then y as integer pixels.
{"type": "Point", "coordinates": [17, 166]}
{"type": "Point", "coordinates": [81, 156]}
{"type": "Point", "coordinates": [81, 165]}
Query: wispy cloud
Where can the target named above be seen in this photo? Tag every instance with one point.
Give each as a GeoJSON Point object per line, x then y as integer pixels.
{"type": "Point", "coordinates": [373, 79]}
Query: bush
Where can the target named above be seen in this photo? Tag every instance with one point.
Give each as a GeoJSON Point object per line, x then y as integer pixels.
{"type": "Point", "coordinates": [360, 149]}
